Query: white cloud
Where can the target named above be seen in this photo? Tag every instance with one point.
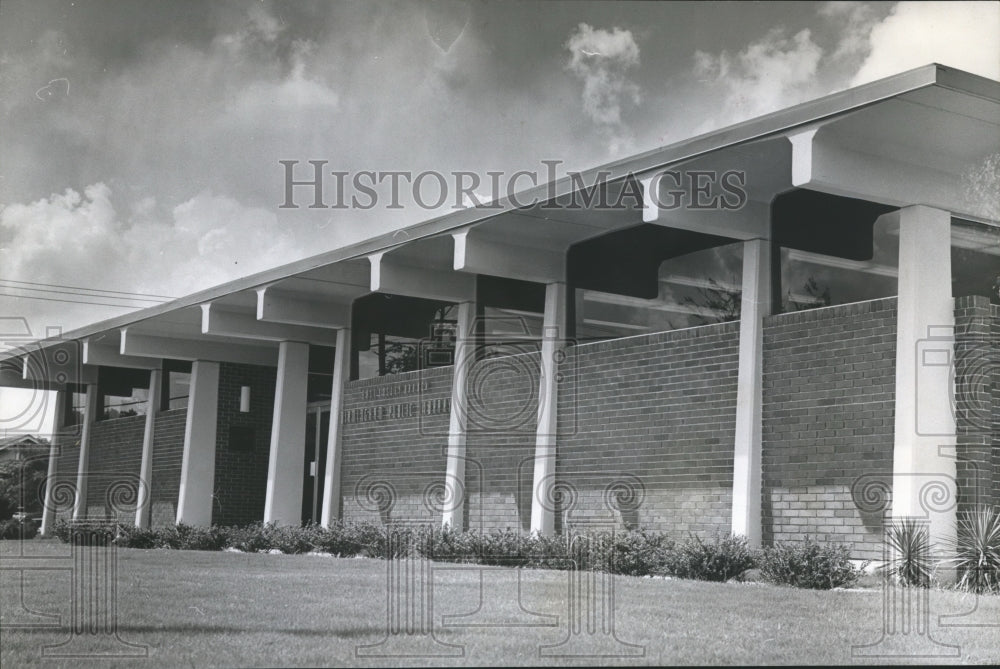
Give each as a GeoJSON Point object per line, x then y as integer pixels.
{"type": "Point", "coordinates": [773, 72]}
{"type": "Point", "coordinates": [964, 35]}
{"type": "Point", "coordinates": [601, 60]}
{"type": "Point", "coordinates": [207, 239]}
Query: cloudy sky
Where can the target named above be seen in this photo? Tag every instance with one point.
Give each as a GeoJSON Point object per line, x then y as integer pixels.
{"type": "Point", "coordinates": [140, 139]}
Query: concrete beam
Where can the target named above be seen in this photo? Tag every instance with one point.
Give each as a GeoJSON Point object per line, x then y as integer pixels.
{"type": "Point", "coordinates": [388, 276]}
{"type": "Point", "coordinates": [197, 486]}
{"type": "Point", "coordinates": [820, 163]}
{"type": "Point", "coordinates": [218, 320]}
{"type": "Point", "coordinates": [153, 346]}
{"type": "Point", "coordinates": [277, 306]}
{"type": "Point", "coordinates": [108, 356]}
{"type": "Point", "coordinates": [283, 500]}
{"type": "Point", "coordinates": [57, 365]}
{"type": "Point", "coordinates": [476, 255]}
{"type": "Point", "coordinates": [748, 221]}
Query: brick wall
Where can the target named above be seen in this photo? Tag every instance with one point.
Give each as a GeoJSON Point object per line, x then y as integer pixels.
{"type": "Point", "coordinates": [395, 437]}
{"type": "Point", "coordinates": [66, 469]}
{"type": "Point", "coordinates": [995, 343]}
{"type": "Point", "coordinates": [975, 362]}
{"type": "Point", "coordinates": [168, 451]}
{"type": "Point", "coordinates": [241, 468]}
{"type": "Point", "coordinates": [646, 431]}
{"type": "Point", "coordinates": [500, 443]}
{"type": "Point", "coordinates": [829, 393]}
{"type": "Point", "coordinates": [115, 459]}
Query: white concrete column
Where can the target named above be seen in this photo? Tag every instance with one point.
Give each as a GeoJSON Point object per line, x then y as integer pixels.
{"type": "Point", "coordinates": [755, 304]}
{"type": "Point", "coordinates": [58, 425]}
{"type": "Point", "coordinates": [283, 502]}
{"type": "Point", "coordinates": [83, 469]}
{"type": "Point", "coordinates": [923, 462]}
{"type": "Point", "coordinates": [465, 351]}
{"type": "Point", "coordinates": [330, 512]}
{"type": "Point", "coordinates": [553, 339]}
{"type": "Point", "coordinates": [194, 500]}
{"type": "Point", "coordinates": [143, 500]}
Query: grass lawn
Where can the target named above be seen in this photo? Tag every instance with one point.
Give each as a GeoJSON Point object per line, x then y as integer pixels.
{"type": "Point", "coordinates": [187, 608]}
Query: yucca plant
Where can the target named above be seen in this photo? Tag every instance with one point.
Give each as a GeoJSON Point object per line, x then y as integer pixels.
{"type": "Point", "coordinates": [910, 561]}
{"type": "Point", "coordinates": [977, 550]}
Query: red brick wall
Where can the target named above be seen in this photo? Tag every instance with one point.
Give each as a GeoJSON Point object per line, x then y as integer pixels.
{"type": "Point", "coordinates": [115, 458]}
{"type": "Point", "coordinates": [975, 362]}
{"type": "Point", "coordinates": [66, 469]}
{"type": "Point", "coordinates": [500, 443]}
{"type": "Point", "coordinates": [651, 416]}
{"type": "Point", "coordinates": [395, 442]}
{"type": "Point", "coordinates": [168, 451]}
{"type": "Point", "coordinates": [829, 394]}
{"type": "Point", "coordinates": [241, 476]}
{"type": "Point", "coordinates": [995, 342]}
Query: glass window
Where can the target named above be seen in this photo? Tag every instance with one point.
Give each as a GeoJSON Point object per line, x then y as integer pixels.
{"type": "Point", "coordinates": [116, 406]}
{"type": "Point", "coordinates": [810, 280]}
{"type": "Point", "coordinates": [975, 260]}
{"type": "Point", "coordinates": [698, 288]}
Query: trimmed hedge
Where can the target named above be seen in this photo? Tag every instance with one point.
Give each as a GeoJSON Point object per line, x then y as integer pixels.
{"type": "Point", "coordinates": [632, 553]}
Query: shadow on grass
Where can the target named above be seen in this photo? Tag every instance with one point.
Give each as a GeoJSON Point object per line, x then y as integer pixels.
{"type": "Point", "coordinates": [128, 630]}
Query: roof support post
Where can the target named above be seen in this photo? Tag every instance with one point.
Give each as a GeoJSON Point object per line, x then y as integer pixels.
{"type": "Point", "coordinates": [143, 499]}
{"type": "Point", "coordinates": [194, 499]}
{"type": "Point", "coordinates": [334, 450]}
{"type": "Point", "coordinates": [465, 352]}
{"type": "Point", "coordinates": [283, 501]}
{"type": "Point", "coordinates": [923, 461]}
{"type": "Point", "coordinates": [756, 303]}
{"type": "Point", "coordinates": [553, 341]}
{"type": "Point", "coordinates": [83, 469]}
{"type": "Point", "coordinates": [58, 425]}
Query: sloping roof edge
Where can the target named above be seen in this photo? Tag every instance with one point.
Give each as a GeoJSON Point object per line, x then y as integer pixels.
{"type": "Point", "coordinates": [812, 111]}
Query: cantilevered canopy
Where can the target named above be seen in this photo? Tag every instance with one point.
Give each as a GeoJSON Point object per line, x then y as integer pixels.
{"type": "Point", "coordinates": [900, 141]}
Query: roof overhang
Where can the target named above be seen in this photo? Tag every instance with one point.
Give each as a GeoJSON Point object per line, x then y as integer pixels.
{"type": "Point", "coordinates": [898, 141]}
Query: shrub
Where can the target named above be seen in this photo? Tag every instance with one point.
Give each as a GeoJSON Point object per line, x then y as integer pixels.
{"type": "Point", "coordinates": [722, 559]}
{"type": "Point", "coordinates": [977, 550]}
{"type": "Point", "coordinates": [18, 529]}
{"type": "Point", "coordinates": [337, 540]}
{"type": "Point", "coordinates": [249, 539]}
{"type": "Point", "coordinates": [289, 539]}
{"type": "Point", "coordinates": [808, 565]}
{"type": "Point", "coordinates": [910, 562]}
{"type": "Point", "coordinates": [637, 553]}
{"type": "Point", "coordinates": [134, 537]}
{"type": "Point", "coordinates": [186, 537]}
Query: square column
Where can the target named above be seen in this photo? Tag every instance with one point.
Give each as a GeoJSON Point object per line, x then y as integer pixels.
{"type": "Point", "coordinates": [755, 304]}
{"type": "Point", "coordinates": [330, 512]}
{"type": "Point", "coordinates": [283, 502]}
{"type": "Point", "coordinates": [923, 461]}
{"type": "Point", "coordinates": [465, 353]}
{"type": "Point", "coordinates": [58, 425]}
{"type": "Point", "coordinates": [553, 340]}
{"type": "Point", "coordinates": [142, 505]}
{"type": "Point", "coordinates": [83, 469]}
{"type": "Point", "coordinates": [194, 499]}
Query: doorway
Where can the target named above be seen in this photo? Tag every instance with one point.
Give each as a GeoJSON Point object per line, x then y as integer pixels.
{"type": "Point", "coordinates": [317, 431]}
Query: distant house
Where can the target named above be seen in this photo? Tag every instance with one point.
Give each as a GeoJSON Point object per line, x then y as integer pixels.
{"type": "Point", "coordinates": [21, 447]}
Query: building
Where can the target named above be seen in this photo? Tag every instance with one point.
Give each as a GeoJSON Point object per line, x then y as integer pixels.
{"type": "Point", "coordinates": [22, 447]}
{"type": "Point", "coordinates": [782, 329]}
